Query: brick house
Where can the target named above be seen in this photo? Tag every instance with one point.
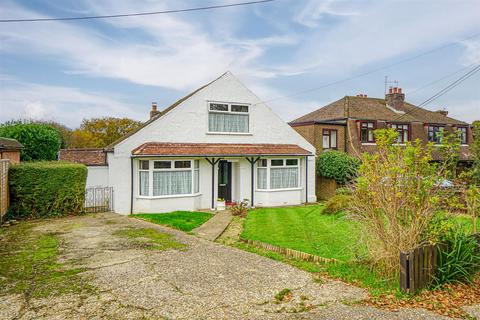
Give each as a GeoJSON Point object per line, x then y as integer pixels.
{"type": "Point", "coordinates": [347, 124]}
{"type": "Point", "coordinates": [10, 149]}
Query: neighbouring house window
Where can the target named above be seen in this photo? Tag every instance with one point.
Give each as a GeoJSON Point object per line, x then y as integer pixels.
{"type": "Point", "coordinates": [144, 177]}
{"type": "Point", "coordinates": [435, 134]}
{"type": "Point", "coordinates": [168, 177]}
{"type": "Point", "coordinates": [366, 131]}
{"type": "Point", "coordinates": [403, 130]}
{"type": "Point", "coordinates": [228, 118]}
{"type": "Point", "coordinates": [329, 138]}
{"type": "Point", "coordinates": [463, 134]}
{"type": "Point", "coordinates": [278, 173]}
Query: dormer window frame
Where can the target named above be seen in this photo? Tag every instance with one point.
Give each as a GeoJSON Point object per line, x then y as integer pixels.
{"type": "Point", "coordinates": [229, 108]}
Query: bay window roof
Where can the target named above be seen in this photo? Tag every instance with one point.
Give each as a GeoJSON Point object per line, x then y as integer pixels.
{"type": "Point", "coordinates": [218, 149]}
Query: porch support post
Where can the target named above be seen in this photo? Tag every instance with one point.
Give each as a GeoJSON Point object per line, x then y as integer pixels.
{"type": "Point", "coordinates": [252, 164]}
{"type": "Point", "coordinates": [306, 179]}
{"type": "Point", "coordinates": [213, 162]}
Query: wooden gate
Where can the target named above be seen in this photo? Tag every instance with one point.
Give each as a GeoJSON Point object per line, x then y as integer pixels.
{"type": "Point", "coordinates": [98, 199]}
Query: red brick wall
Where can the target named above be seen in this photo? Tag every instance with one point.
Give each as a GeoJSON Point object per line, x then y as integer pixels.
{"type": "Point", "coordinates": [13, 156]}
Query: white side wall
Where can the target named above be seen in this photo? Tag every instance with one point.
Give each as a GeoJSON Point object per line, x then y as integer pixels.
{"type": "Point", "coordinates": [97, 176]}
{"type": "Point", "coordinates": [188, 123]}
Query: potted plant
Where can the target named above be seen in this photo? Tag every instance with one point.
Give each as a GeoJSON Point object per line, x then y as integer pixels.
{"type": "Point", "coordinates": [220, 204]}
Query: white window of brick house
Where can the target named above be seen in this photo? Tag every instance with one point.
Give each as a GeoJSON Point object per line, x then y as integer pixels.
{"type": "Point", "coordinates": [228, 118]}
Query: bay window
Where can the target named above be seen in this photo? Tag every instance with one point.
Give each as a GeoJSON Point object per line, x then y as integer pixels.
{"type": "Point", "coordinates": [435, 134]}
{"type": "Point", "coordinates": [329, 138]}
{"type": "Point", "coordinates": [159, 178]}
{"type": "Point", "coordinates": [275, 174]}
{"type": "Point", "coordinates": [366, 131]}
{"type": "Point", "coordinates": [228, 118]}
{"type": "Point", "coordinates": [403, 130]}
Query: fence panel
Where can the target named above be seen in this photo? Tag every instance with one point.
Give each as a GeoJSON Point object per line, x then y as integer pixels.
{"type": "Point", "coordinates": [417, 267]}
{"type": "Point", "coordinates": [4, 196]}
{"type": "Point", "coordinates": [98, 199]}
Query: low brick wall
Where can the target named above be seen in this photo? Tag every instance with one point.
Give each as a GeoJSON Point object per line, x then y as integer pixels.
{"type": "Point", "coordinates": [290, 253]}
{"type": "Point", "coordinates": [325, 188]}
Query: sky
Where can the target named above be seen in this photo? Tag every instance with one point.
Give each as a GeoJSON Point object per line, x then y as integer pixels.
{"type": "Point", "coordinates": [285, 51]}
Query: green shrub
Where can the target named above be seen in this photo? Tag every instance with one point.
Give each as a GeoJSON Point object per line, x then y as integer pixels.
{"type": "Point", "coordinates": [337, 203]}
{"type": "Point", "coordinates": [343, 191]}
{"type": "Point", "coordinates": [46, 189]}
{"type": "Point", "coordinates": [458, 260]}
{"type": "Point", "coordinates": [40, 141]}
{"type": "Point", "coordinates": [337, 165]}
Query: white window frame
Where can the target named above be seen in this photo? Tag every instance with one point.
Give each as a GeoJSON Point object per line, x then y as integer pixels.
{"type": "Point", "coordinates": [194, 170]}
{"type": "Point", "coordinates": [269, 166]}
{"type": "Point", "coordinates": [229, 104]}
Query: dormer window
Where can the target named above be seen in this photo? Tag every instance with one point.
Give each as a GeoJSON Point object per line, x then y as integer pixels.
{"type": "Point", "coordinates": [228, 117]}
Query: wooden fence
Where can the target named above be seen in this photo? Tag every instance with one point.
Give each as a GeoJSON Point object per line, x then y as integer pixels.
{"type": "Point", "coordinates": [290, 253]}
{"type": "Point", "coordinates": [98, 199]}
{"type": "Point", "coordinates": [4, 197]}
{"type": "Point", "coordinates": [418, 267]}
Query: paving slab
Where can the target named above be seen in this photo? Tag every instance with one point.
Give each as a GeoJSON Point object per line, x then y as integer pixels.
{"type": "Point", "coordinates": [213, 228]}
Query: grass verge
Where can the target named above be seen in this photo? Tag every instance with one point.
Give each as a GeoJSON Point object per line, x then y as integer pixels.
{"type": "Point", "coordinates": [181, 220]}
{"type": "Point", "coordinates": [29, 265]}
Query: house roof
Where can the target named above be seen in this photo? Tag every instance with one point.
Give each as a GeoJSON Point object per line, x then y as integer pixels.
{"type": "Point", "coordinates": [217, 149]}
{"type": "Point", "coordinates": [87, 156]}
{"type": "Point", "coordinates": [374, 109]}
{"type": "Point", "coordinates": [160, 114]}
{"type": "Point", "coordinates": [10, 144]}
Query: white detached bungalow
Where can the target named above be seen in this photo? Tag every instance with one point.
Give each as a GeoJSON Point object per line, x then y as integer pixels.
{"type": "Point", "coordinates": [220, 141]}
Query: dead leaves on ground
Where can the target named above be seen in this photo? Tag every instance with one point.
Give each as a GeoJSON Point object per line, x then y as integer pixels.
{"type": "Point", "coordinates": [447, 301]}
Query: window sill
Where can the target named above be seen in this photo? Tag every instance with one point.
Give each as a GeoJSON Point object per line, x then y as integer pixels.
{"type": "Point", "coordinates": [369, 144]}
{"type": "Point", "coordinates": [190, 195]}
{"type": "Point", "coordinates": [231, 133]}
{"type": "Point", "coordinates": [279, 190]}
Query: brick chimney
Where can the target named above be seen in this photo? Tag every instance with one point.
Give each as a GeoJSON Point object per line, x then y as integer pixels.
{"type": "Point", "coordinates": [154, 110]}
{"type": "Point", "coordinates": [395, 99]}
{"type": "Point", "coordinates": [442, 112]}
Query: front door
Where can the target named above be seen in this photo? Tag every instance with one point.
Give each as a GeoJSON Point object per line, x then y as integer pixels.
{"type": "Point", "coordinates": [225, 180]}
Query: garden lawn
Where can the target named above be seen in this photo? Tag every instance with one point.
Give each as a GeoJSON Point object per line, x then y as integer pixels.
{"type": "Point", "coordinates": [181, 220]}
{"type": "Point", "coordinates": [305, 229]}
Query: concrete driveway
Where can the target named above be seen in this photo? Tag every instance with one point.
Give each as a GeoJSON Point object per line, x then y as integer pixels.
{"type": "Point", "coordinates": [203, 280]}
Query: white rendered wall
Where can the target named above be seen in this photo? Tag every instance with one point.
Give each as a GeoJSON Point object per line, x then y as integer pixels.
{"type": "Point", "coordinates": [97, 176]}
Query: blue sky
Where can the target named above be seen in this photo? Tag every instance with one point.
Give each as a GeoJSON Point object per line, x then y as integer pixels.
{"type": "Point", "coordinates": [67, 71]}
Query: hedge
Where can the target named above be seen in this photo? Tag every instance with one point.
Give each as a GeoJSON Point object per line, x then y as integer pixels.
{"type": "Point", "coordinates": [337, 165]}
{"type": "Point", "coordinates": [41, 142]}
{"type": "Point", "coordinates": [46, 189]}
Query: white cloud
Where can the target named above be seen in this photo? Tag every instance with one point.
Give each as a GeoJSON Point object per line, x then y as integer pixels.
{"type": "Point", "coordinates": [312, 13]}
{"type": "Point", "coordinates": [63, 104]}
{"type": "Point", "coordinates": [167, 52]}
{"type": "Point", "coordinates": [472, 51]}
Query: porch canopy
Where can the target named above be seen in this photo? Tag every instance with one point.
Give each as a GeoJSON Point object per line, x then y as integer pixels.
{"type": "Point", "coordinates": [214, 152]}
